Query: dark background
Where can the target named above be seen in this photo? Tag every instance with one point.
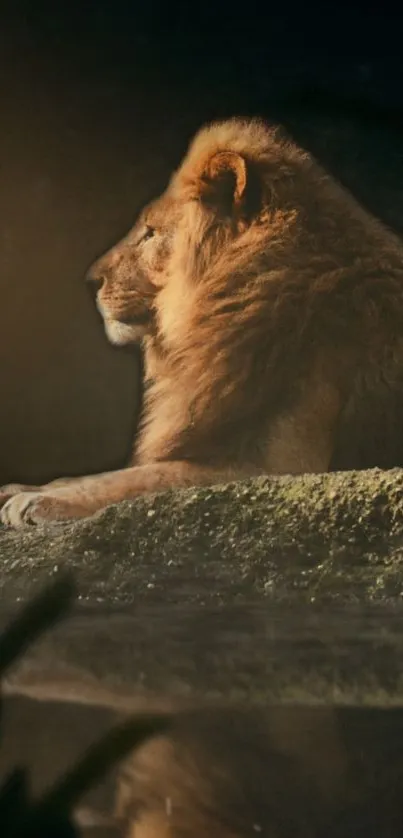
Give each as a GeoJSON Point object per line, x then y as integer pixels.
{"type": "Point", "coordinates": [97, 103]}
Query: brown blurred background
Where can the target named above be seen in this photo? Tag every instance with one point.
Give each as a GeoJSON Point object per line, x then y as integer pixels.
{"type": "Point", "coordinates": [97, 103]}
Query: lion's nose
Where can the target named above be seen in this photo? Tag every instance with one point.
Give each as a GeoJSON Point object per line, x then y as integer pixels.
{"type": "Point", "coordinates": [95, 279]}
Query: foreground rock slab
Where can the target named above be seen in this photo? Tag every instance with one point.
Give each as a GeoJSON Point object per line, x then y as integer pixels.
{"type": "Point", "coordinates": [285, 589]}
{"type": "Point", "coordinates": [327, 538]}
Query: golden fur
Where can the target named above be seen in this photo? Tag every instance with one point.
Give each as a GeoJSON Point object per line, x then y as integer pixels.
{"type": "Point", "coordinates": [270, 309]}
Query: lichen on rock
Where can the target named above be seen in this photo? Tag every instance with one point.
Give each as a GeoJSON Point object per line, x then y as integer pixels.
{"type": "Point", "coordinates": [334, 536]}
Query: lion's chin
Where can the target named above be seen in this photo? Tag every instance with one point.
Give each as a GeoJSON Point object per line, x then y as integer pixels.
{"type": "Point", "coordinates": [121, 334]}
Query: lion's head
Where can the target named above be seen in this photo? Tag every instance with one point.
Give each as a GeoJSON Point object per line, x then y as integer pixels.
{"type": "Point", "coordinates": [229, 196]}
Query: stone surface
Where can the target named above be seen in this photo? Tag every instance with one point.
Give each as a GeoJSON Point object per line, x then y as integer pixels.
{"type": "Point", "coordinates": [336, 537]}
{"type": "Point", "coordinates": [285, 588]}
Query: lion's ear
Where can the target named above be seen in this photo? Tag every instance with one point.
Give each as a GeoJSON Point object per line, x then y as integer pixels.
{"type": "Point", "coordinates": [224, 180]}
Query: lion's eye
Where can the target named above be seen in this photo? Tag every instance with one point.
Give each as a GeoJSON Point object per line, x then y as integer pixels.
{"type": "Point", "coordinates": [148, 234]}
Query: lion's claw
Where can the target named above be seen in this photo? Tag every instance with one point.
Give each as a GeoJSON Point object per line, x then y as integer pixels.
{"type": "Point", "coordinates": [31, 508]}
{"type": "Point", "coordinates": [22, 509]}
{"type": "Point", "coordinates": [11, 489]}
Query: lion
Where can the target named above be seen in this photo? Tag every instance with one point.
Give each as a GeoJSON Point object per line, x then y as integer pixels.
{"type": "Point", "coordinates": [269, 307]}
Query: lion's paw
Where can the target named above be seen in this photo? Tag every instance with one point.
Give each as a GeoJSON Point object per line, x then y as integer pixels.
{"type": "Point", "coordinates": [11, 489]}
{"type": "Point", "coordinates": [31, 508]}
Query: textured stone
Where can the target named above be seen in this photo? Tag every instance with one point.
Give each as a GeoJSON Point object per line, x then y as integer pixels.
{"type": "Point", "coordinates": [288, 588]}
